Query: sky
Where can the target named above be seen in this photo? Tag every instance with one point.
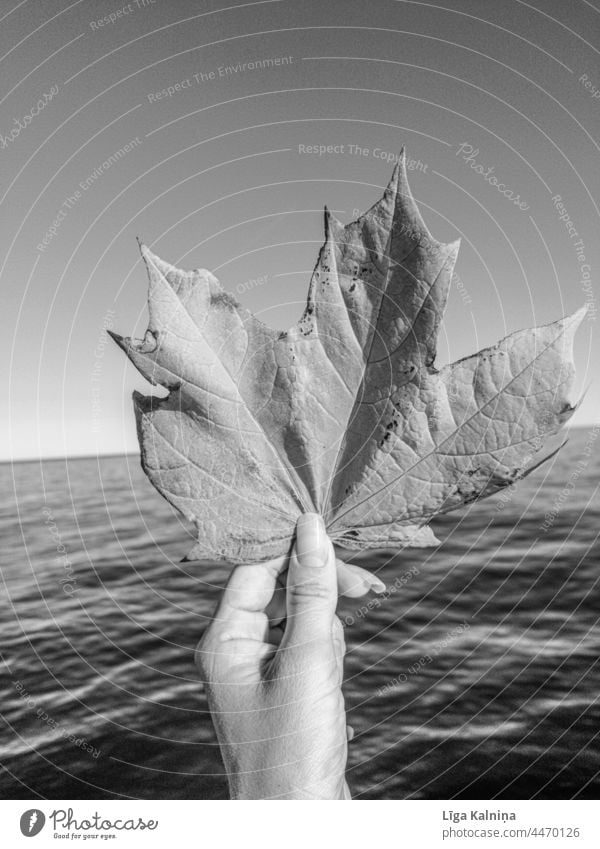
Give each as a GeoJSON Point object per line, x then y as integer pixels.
{"type": "Point", "coordinates": [165, 121]}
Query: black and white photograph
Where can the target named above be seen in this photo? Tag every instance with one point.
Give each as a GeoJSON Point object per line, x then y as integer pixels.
{"type": "Point", "coordinates": [301, 423]}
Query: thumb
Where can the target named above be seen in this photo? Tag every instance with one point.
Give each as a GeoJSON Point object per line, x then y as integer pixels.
{"type": "Point", "coordinates": [311, 594]}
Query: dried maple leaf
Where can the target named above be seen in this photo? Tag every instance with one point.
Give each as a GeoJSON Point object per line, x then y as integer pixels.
{"type": "Point", "coordinates": [345, 413]}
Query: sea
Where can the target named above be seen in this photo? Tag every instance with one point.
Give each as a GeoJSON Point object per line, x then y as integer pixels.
{"type": "Point", "coordinates": [476, 675]}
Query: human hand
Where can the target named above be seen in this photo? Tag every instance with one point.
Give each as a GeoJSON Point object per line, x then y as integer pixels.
{"type": "Point", "coordinates": [272, 664]}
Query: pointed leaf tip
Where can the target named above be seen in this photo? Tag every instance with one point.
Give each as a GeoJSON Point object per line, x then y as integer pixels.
{"type": "Point", "coordinates": [400, 166]}
{"type": "Point", "coordinates": [580, 314]}
{"type": "Point", "coordinates": [332, 224]}
{"type": "Point", "coordinates": [116, 337]}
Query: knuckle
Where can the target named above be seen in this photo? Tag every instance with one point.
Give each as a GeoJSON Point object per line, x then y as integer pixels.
{"type": "Point", "coordinates": [311, 588]}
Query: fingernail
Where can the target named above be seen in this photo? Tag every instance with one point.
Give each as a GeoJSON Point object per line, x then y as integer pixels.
{"type": "Point", "coordinates": [312, 547]}
{"type": "Point", "coordinates": [376, 585]}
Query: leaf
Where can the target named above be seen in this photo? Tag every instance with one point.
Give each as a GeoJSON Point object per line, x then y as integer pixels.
{"type": "Point", "coordinates": [344, 414]}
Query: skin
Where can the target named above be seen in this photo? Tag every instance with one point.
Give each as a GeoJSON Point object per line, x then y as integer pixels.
{"type": "Point", "coordinates": [272, 664]}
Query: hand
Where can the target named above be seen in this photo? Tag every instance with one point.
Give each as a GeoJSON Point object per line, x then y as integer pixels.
{"type": "Point", "coordinates": [272, 663]}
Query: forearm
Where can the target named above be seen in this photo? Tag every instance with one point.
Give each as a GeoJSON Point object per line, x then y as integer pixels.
{"type": "Point", "coordinates": [275, 782]}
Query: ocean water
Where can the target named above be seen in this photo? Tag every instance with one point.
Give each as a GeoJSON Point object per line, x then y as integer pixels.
{"type": "Point", "coordinates": [477, 675]}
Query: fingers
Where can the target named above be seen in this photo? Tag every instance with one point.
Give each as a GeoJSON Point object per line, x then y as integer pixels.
{"type": "Point", "coordinates": [240, 613]}
{"type": "Point", "coordinates": [239, 631]}
{"type": "Point", "coordinates": [353, 581]}
{"type": "Point", "coordinates": [311, 595]}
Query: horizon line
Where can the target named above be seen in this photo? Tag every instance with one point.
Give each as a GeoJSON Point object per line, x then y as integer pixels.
{"type": "Point", "coordinates": [88, 456]}
{"type": "Point", "coordinates": [52, 457]}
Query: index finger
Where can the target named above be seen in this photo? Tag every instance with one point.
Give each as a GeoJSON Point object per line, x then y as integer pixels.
{"type": "Point", "coordinates": [245, 598]}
